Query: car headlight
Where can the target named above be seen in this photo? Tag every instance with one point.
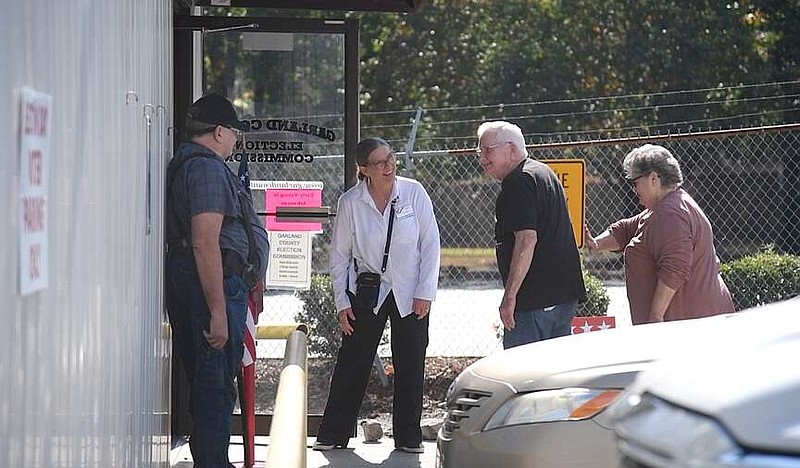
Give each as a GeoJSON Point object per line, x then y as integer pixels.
{"type": "Point", "coordinates": [565, 404]}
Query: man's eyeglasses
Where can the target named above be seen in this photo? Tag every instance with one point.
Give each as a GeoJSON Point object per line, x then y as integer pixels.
{"type": "Point", "coordinates": [390, 160]}
{"type": "Point", "coordinates": [481, 150]}
{"type": "Point", "coordinates": [236, 132]}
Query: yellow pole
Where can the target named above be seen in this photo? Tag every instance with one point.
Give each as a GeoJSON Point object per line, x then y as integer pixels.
{"type": "Point", "coordinates": [279, 331]}
{"type": "Point", "coordinates": [287, 446]}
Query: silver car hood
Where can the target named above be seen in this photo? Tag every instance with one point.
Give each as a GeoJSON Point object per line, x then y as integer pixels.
{"type": "Point", "coordinates": [749, 381]}
{"type": "Point", "coordinates": [609, 358]}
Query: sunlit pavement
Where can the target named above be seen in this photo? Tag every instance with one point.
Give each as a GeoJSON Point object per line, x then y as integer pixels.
{"type": "Point", "coordinates": [358, 454]}
{"type": "Point", "coordinates": [463, 322]}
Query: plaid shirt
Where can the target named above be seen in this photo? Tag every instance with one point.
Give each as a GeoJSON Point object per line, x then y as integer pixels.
{"type": "Point", "coordinates": [203, 183]}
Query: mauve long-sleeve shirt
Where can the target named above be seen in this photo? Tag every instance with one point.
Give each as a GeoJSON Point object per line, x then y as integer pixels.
{"type": "Point", "coordinates": [673, 243]}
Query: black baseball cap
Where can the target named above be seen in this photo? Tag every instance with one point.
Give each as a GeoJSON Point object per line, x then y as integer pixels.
{"type": "Point", "coordinates": [213, 109]}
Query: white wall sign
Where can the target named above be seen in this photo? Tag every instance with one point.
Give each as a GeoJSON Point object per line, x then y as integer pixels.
{"type": "Point", "coordinates": [289, 260]}
{"type": "Point", "coordinates": [34, 152]}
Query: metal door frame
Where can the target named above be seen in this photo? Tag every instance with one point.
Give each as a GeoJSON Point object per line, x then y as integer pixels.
{"type": "Point", "coordinates": [184, 75]}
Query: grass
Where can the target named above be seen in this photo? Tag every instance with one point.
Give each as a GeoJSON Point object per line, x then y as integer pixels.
{"type": "Point", "coordinates": [470, 258]}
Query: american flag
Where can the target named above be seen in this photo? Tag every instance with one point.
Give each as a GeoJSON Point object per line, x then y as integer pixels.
{"type": "Point", "coordinates": [247, 383]}
{"type": "Point", "coordinates": [250, 329]}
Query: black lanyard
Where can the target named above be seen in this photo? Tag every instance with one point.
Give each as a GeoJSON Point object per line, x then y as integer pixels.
{"type": "Point", "coordinates": [388, 239]}
{"type": "Point", "coordinates": [388, 236]}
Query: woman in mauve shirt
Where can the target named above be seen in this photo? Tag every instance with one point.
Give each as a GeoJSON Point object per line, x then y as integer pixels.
{"type": "Point", "coordinates": [671, 266]}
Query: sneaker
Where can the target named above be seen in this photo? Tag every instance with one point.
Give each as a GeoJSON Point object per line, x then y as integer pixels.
{"type": "Point", "coordinates": [324, 447]}
{"type": "Point", "coordinates": [411, 449]}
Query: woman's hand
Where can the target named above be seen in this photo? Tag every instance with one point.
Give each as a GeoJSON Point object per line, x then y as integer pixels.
{"type": "Point", "coordinates": [589, 241]}
{"type": "Point", "coordinates": [605, 241]}
{"type": "Point", "coordinates": [345, 317]}
{"type": "Point", "coordinates": [421, 307]}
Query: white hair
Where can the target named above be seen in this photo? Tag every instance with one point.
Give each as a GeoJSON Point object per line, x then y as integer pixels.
{"type": "Point", "coordinates": [505, 132]}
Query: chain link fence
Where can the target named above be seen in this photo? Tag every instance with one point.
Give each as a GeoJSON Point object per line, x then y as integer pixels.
{"type": "Point", "coordinates": [746, 180]}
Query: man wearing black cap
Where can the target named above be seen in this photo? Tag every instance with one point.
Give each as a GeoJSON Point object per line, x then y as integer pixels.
{"type": "Point", "coordinates": [217, 254]}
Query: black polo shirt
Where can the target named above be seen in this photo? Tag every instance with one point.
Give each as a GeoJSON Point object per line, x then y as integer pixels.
{"type": "Point", "coordinates": [531, 197]}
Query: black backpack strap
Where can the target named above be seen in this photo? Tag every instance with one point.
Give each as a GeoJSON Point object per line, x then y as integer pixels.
{"type": "Point", "coordinates": [252, 258]}
{"type": "Point", "coordinates": [176, 238]}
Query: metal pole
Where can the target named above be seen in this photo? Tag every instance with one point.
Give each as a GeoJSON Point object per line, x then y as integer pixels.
{"type": "Point", "coordinates": [287, 446]}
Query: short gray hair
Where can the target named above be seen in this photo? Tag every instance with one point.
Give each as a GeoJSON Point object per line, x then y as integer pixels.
{"type": "Point", "coordinates": [653, 158]}
{"type": "Point", "coordinates": [505, 132]}
{"type": "Point", "coordinates": [195, 128]}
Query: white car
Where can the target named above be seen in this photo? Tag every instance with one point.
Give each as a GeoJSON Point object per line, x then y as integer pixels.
{"type": "Point", "coordinates": [732, 402]}
{"type": "Point", "coordinates": [543, 404]}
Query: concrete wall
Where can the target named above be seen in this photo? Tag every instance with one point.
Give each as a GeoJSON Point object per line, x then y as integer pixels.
{"type": "Point", "coordinates": [84, 363]}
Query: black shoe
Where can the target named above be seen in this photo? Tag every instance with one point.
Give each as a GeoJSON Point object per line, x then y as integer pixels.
{"type": "Point", "coordinates": [411, 448]}
{"type": "Point", "coordinates": [322, 446]}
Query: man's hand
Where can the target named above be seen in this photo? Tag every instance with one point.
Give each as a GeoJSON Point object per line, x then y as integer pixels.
{"type": "Point", "coordinates": [257, 299]}
{"type": "Point", "coordinates": [421, 307]}
{"type": "Point", "coordinates": [507, 307]}
{"type": "Point", "coordinates": [218, 334]}
{"type": "Point", "coordinates": [345, 316]}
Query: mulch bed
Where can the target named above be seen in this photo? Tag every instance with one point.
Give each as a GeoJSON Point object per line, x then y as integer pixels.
{"type": "Point", "coordinates": [439, 373]}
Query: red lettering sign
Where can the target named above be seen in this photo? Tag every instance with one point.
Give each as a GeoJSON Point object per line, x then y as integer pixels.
{"type": "Point", "coordinates": [35, 166]}
{"type": "Point", "coordinates": [33, 214]}
{"type": "Point", "coordinates": [35, 119]}
{"type": "Point", "coordinates": [35, 269]}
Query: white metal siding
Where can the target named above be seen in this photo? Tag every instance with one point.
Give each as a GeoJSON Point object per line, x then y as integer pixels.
{"type": "Point", "coordinates": [84, 366]}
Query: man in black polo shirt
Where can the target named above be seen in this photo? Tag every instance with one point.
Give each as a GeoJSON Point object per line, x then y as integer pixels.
{"type": "Point", "coordinates": [217, 254]}
{"type": "Point", "coordinates": [536, 251]}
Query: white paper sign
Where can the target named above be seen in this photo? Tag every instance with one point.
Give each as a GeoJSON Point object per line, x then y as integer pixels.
{"type": "Point", "coordinates": [289, 260]}
{"type": "Point", "coordinates": [34, 152]}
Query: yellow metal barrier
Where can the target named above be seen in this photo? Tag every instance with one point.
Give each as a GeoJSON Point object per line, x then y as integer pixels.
{"type": "Point", "coordinates": [288, 432]}
{"type": "Point", "coordinates": [279, 331]}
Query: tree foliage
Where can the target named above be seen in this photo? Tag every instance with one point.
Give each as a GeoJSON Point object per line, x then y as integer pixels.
{"type": "Point", "coordinates": [566, 65]}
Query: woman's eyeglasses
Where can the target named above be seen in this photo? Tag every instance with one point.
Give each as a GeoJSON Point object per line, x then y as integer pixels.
{"type": "Point", "coordinates": [390, 160]}
{"type": "Point", "coordinates": [633, 181]}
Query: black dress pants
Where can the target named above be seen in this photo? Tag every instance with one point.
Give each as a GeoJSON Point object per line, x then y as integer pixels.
{"type": "Point", "coordinates": [353, 365]}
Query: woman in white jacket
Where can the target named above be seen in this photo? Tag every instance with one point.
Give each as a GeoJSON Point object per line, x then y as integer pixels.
{"type": "Point", "coordinates": [404, 272]}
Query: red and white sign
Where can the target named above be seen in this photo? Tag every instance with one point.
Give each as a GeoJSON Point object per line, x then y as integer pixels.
{"type": "Point", "coordinates": [590, 324]}
{"type": "Point", "coordinates": [34, 151]}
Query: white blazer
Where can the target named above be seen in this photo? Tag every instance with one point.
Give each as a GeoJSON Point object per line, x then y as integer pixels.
{"type": "Point", "coordinates": [359, 232]}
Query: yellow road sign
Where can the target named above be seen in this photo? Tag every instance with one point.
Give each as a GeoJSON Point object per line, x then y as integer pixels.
{"type": "Point", "coordinates": [570, 173]}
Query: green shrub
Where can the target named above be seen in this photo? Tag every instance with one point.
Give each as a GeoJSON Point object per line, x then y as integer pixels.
{"type": "Point", "coordinates": [762, 278]}
{"type": "Point", "coordinates": [597, 300]}
{"type": "Point", "coordinates": [319, 312]}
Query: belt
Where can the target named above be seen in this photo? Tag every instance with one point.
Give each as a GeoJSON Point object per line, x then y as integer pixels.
{"type": "Point", "coordinates": [178, 250]}
{"type": "Point", "coordinates": [232, 263]}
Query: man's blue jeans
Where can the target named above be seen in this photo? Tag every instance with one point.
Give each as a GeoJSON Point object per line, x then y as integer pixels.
{"type": "Point", "coordinates": [540, 324]}
{"type": "Point", "coordinates": [210, 372]}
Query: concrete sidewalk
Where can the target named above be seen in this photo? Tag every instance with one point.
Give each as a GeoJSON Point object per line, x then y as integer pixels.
{"type": "Point", "coordinates": [358, 454]}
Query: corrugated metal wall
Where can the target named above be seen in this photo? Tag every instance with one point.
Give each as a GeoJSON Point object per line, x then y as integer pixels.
{"type": "Point", "coordinates": [84, 378]}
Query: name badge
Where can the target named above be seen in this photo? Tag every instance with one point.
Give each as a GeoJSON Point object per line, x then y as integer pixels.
{"type": "Point", "coordinates": [405, 211]}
